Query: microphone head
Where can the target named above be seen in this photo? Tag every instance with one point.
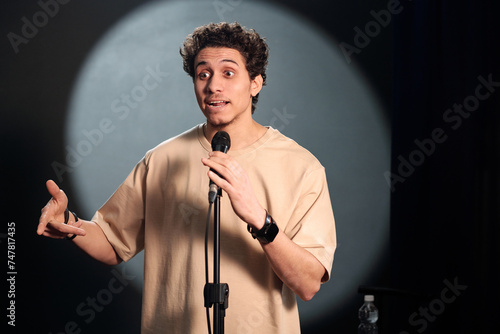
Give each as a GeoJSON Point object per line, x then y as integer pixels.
{"type": "Point", "coordinates": [221, 142]}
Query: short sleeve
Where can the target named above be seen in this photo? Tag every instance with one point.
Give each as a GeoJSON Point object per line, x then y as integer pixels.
{"type": "Point", "coordinates": [312, 225]}
{"type": "Point", "coordinates": [122, 217]}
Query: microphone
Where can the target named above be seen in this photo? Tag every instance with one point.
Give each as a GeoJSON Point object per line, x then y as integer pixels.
{"type": "Point", "coordinates": [220, 142]}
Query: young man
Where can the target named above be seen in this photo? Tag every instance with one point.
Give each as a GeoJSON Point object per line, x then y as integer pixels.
{"type": "Point", "coordinates": [266, 178]}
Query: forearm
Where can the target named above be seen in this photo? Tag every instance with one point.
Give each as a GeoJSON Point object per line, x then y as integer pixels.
{"type": "Point", "coordinates": [296, 267]}
{"type": "Point", "coordinates": [95, 243]}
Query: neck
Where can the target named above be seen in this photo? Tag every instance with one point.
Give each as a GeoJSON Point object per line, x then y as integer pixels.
{"type": "Point", "coordinates": [241, 135]}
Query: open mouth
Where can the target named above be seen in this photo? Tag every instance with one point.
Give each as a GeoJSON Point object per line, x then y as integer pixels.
{"type": "Point", "coordinates": [218, 103]}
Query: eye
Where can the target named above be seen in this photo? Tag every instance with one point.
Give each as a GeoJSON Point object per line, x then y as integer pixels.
{"type": "Point", "coordinates": [229, 73]}
{"type": "Point", "coordinates": [203, 75]}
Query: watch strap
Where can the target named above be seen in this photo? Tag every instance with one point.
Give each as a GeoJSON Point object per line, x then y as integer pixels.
{"type": "Point", "coordinates": [267, 233]}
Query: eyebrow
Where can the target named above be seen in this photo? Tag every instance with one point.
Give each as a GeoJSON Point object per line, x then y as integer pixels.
{"type": "Point", "coordinates": [222, 61]}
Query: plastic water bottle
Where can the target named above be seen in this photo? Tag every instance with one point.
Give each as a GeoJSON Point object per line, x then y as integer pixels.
{"type": "Point", "coordinates": [368, 316]}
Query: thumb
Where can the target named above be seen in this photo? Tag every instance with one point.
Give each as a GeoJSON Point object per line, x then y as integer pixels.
{"type": "Point", "coordinates": [57, 194]}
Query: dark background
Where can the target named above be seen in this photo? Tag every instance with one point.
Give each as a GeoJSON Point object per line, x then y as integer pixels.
{"type": "Point", "coordinates": [444, 214]}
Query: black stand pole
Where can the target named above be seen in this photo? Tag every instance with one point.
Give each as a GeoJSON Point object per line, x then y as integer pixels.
{"type": "Point", "coordinates": [217, 293]}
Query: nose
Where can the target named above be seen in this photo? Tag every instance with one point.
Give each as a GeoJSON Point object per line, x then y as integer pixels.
{"type": "Point", "coordinates": [215, 84]}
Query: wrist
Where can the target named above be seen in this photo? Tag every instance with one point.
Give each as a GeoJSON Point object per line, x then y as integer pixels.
{"type": "Point", "coordinates": [259, 220]}
{"type": "Point", "coordinates": [267, 233]}
{"type": "Point", "coordinates": [67, 219]}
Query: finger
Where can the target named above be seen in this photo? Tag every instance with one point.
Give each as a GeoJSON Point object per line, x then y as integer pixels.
{"type": "Point", "coordinates": [42, 222]}
{"type": "Point", "coordinates": [212, 164]}
{"type": "Point", "coordinates": [221, 158]}
{"type": "Point", "coordinates": [219, 169]}
{"type": "Point", "coordinates": [46, 215]}
{"type": "Point", "coordinates": [225, 166]}
{"type": "Point", "coordinates": [76, 224]}
{"type": "Point", "coordinates": [65, 228]}
{"type": "Point", "coordinates": [215, 178]}
{"type": "Point", "coordinates": [55, 206]}
{"type": "Point", "coordinates": [53, 235]}
{"type": "Point", "coordinates": [218, 154]}
{"type": "Point", "coordinates": [221, 182]}
{"type": "Point", "coordinates": [218, 160]}
{"type": "Point", "coordinates": [56, 192]}
{"type": "Point", "coordinates": [208, 162]}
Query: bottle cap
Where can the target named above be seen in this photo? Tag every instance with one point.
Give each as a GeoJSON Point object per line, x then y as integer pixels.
{"type": "Point", "coordinates": [369, 298]}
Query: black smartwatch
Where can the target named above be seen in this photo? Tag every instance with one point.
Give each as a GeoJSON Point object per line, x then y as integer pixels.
{"type": "Point", "coordinates": [267, 233]}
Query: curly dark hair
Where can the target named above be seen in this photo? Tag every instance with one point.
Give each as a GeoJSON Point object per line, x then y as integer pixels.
{"type": "Point", "coordinates": [248, 42]}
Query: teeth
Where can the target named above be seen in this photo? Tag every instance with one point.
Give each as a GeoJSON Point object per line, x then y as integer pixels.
{"type": "Point", "coordinates": [216, 102]}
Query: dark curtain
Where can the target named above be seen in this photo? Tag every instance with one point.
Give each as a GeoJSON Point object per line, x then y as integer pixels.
{"type": "Point", "coordinates": [445, 167]}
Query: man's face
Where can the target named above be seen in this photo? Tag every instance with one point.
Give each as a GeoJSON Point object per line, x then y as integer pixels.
{"type": "Point", "coordinates": [223, 86]}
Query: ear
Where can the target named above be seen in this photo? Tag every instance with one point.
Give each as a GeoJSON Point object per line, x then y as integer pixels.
{"type": "Point", "coordinates": [256, 85]}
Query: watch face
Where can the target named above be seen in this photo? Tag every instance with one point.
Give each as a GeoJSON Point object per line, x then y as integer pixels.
{"type": "Point", "coordinates": [270, 233]}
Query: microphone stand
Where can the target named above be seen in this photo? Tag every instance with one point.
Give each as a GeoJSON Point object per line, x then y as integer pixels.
{"type": "Point", "coordinates": [217, 293]}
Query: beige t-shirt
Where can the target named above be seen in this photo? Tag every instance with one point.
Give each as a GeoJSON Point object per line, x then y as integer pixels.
{"type": "Point", "coordinates": [162, 207]}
